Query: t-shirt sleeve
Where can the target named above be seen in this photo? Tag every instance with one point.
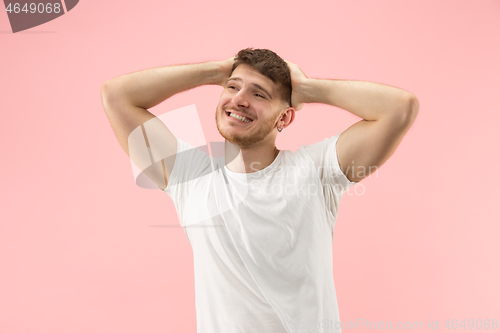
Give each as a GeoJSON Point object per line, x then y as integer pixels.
{"type": "Point", "coordinates": [191, 163]}
{"type": "Point", "coordinates": [324, 156]}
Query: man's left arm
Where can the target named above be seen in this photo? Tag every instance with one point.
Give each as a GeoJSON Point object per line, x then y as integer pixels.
{"type": "Point", "coordinates": [387, 113]}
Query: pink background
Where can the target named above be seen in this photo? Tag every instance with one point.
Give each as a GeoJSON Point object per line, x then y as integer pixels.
{"type": "Point", "coordinates": [84, 249]}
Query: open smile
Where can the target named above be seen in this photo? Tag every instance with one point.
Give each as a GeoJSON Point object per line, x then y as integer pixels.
{"type": "Point", "coordinates": [238, 117]}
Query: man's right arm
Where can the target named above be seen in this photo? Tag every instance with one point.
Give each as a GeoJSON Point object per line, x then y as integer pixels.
{"type": "Point", "coordinates": [126, 99]}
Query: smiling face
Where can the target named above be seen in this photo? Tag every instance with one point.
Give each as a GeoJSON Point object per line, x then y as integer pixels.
{"type": "Point", "coordinates": [252, 95]}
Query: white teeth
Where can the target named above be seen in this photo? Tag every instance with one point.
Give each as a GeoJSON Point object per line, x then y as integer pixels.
{"type": "Point", "coordinates": [239, 117]}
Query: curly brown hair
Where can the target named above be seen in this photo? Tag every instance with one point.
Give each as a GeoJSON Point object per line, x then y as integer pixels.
{"type": "Point", "coordinates": [270, 65]}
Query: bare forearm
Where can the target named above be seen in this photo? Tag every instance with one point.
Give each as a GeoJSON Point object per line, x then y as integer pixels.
{"type": "Point", "coordinates": [150, 87]}
{"type": "Point", "coordinates": [368, 100]}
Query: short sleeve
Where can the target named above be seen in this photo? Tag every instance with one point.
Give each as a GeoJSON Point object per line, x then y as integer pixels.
{"type": "Point", "coordinates": [324, 156]}
{"type": "Point", "coordinates": [190, 164]}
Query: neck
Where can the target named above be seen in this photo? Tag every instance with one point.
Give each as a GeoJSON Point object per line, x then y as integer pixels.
{"type": "Point", "coordinates": [249, 160]}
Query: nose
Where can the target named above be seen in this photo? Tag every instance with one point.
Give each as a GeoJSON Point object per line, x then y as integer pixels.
{"type": "Point", "coordinates": [240, 99]}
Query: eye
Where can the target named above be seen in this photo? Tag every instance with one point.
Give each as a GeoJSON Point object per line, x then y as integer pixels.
{"type": "Point", "coordinates": [259, 95]}
{"type": "Point", "coordinates": [232, 87]}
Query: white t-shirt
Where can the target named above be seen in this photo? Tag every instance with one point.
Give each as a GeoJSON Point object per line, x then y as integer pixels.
{"type": "Point", "coordinates": [262, 241]}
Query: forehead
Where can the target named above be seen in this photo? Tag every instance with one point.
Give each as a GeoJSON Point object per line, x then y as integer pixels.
{"type": "Point", "coordinates": [251, 76]}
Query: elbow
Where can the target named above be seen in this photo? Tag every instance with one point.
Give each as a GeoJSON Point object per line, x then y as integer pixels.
{"type": "Point", "coordinates": [106, 88]}
{"type": "Point", "coordinates": [104, 94]}
{"type": "Point", "coordinates": [411, 110]}
{"type": "Point", "coordinates": [110, 94]}
{"type": "Point", "coordinates": [107, 96]}
{"type": "Point", "coordinates": [414, 105]}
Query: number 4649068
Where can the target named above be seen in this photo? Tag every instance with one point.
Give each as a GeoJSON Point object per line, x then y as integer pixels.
{"type": "Point", "coordinates": [34, 8]}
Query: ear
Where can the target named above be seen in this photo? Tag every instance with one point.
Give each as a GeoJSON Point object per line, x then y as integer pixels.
{"type": "Point", "coordinates": [288, 116]}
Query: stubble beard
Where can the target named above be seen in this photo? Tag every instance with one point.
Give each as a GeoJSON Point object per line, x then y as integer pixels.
{"type": "Point", "coordinates": [250, 138]}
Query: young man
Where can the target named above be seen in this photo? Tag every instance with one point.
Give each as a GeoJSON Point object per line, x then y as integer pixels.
{"type": "Point", "coordinates": [260, 220]}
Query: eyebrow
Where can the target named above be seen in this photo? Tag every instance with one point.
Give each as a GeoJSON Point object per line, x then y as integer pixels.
{"type": "Point", "coordinates": [254, 84]}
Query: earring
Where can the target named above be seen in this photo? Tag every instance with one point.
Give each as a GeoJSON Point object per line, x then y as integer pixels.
{"type": "Point", "coordinates": [279, 130]}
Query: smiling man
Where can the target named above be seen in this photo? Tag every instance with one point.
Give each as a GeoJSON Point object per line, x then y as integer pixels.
{"type": "Point", "coordinates": [260, 220]}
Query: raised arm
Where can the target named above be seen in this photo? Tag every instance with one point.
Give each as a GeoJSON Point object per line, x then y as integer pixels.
{"type": "Point", "coordinates": [126, 99]}
{"type": "Point", "coordinates": [387, 113]}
